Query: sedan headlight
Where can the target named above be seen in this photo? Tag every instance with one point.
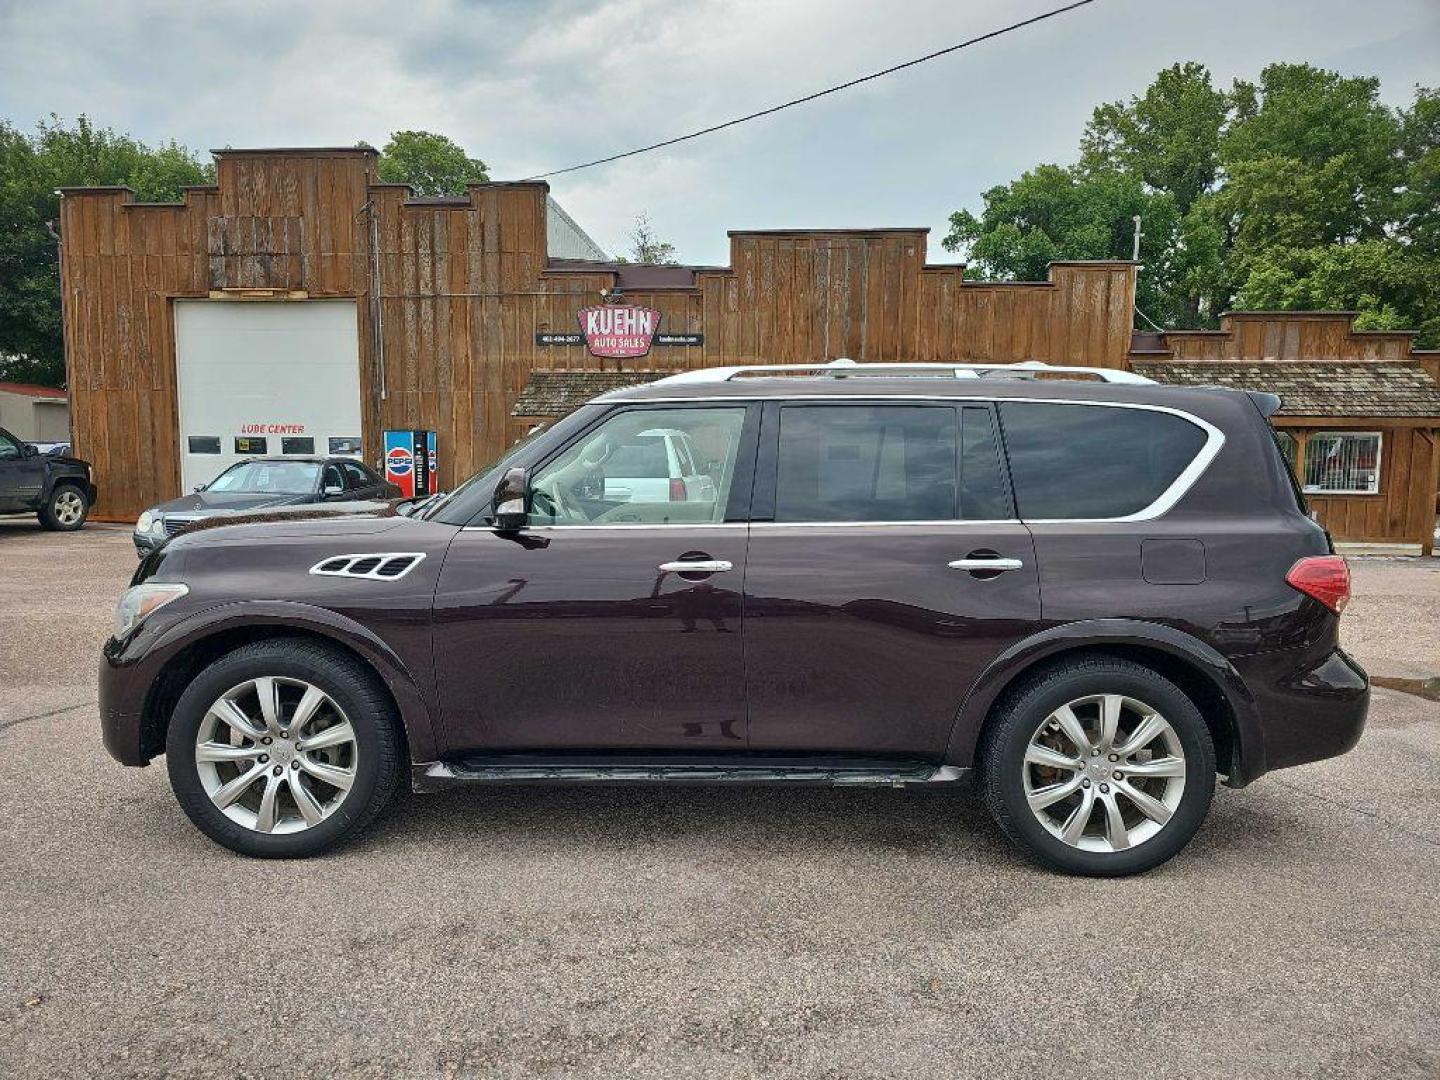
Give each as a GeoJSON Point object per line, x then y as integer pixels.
{"type": "Point", "coordinates": [140, 601]}
{"type": "Point", "coordinates": [147, 519]}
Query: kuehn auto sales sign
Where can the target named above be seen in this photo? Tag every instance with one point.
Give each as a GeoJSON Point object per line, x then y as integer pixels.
{"type": "Point", "coordinates": [619, 330]}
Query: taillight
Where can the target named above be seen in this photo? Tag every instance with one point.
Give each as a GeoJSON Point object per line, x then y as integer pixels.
{"type": "Point", "coordinates": [1325, 577]}
{"type": "Point", "coordinates": [677, 489]}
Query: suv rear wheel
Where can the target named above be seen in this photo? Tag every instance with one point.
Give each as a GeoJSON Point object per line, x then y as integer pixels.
{"type": "Point", "coordinates": [65, 510]}
{"type": "Point", "coordinates": [1100, 766]}
{"type": "Point", "coordinates": [283, 748]}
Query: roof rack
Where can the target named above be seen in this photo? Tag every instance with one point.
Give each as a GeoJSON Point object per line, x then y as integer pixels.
{"type": "Point", "coordinates": [845, 368]}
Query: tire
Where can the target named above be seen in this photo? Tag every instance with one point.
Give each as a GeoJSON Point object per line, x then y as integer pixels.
{"type": "Point", "coordinates": [65, 508]}
{"type": "Point", "coordinates": [372, 760]}
{"type": "Point", "coordinates": [1141, 840]}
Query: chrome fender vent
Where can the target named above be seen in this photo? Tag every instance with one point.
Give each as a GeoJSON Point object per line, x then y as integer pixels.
{"type": "Point", "coordinates": [371, 566]}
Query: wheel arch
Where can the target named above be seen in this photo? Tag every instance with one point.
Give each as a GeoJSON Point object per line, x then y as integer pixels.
{"type": "Point", "coordinates": [201, 646]}
{"type": "Point", "coordinates": [1203, 674]}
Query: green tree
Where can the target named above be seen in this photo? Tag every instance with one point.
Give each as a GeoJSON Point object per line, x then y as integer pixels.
{"type": "Point", "coordinates": [1055, 213]}
{"type": "Point", "coordinates": [1301, 189]}
{"type": "Point", "coordinates": [32, 167]}
{"type": "Point", "coordinates": [646, 247]}
{"type": "Point", "coordinates": [431, 164]}
{"type": "Point", "coordinates": [1169, 137]}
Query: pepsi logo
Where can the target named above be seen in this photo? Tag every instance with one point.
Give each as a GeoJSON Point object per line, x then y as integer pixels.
{"type": "Point", "coordinates": [398, 461]}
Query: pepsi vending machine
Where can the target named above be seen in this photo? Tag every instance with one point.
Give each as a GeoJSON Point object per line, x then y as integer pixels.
{"type": "Point", "coordinates": [410, 461]}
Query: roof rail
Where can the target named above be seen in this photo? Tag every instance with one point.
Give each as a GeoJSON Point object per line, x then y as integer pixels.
{"type": "Point", "coordinates": [845, 368]}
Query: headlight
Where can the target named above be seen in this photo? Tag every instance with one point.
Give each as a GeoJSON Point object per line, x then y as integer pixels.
{"type": "Point", "coordinates": [141, 600]}
{"type": "Point", "coordinates": [146, 520]}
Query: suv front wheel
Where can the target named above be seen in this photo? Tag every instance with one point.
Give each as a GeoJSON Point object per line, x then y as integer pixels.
{"type": "Point", "coordinates": [1099, 766]}
{"type": "Point", "coordinates": [283, 748]}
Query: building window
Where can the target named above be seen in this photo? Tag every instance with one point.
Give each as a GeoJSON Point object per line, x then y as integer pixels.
{"type": "Point", "coordinates": [252, 444]}
{"type": "Point", "coordinates": [1342, 463]}
{"type": "Point", "coordinates": [299, 444]}
{"type": "Point", "coordinates": [204, 444]}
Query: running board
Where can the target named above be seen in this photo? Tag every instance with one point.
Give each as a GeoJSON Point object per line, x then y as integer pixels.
{"type": "Point", "coordinates": [437, 775]}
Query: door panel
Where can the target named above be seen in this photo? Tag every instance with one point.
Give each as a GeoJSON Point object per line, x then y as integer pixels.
{"type": "Point", "coordinates": [573, 638]}
{"type": "Point", "coordinates": [862, 639]}
{"type": "Point", "coordinates": [860, 634]}
{"type": "Point", "coordinates": [585, 630]}
{"type": "Point", "coordinates": [21, 478]}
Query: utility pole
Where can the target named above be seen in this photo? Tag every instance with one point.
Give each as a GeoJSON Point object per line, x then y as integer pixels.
{"type": "Point", "coordinates": [1135, 251]}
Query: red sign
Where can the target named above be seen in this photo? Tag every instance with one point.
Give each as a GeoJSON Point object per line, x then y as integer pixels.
{"type": "Point", "coordinates": [619, 330]}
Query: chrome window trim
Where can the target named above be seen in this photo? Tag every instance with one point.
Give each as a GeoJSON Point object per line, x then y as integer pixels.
{"type": "Point", "coordinates": [1214, 442]}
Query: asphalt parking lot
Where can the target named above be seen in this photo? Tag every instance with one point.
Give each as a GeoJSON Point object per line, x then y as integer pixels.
{"type": "Point", "coordinates": [702, 932]}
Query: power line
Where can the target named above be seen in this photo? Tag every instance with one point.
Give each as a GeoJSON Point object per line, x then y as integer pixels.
{"type": "Point", "coordinates": [819, 93]}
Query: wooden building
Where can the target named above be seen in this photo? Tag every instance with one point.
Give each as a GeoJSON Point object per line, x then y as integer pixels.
{"type": "Point", "coordinates": [441, 309]}
{"type": "Point", "coordinates": [456, 299]}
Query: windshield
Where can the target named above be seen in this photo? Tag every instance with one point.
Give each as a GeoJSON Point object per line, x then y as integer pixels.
{"type": "Point", "coordinates": [268, 478]}
{"type": "Point", "coordinates": [433, 506]}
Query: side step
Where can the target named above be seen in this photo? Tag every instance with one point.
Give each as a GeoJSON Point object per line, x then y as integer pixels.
{"type": "Point", "coordinates": [596, 769]}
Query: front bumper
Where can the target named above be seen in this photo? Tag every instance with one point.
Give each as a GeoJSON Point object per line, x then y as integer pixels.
{"type": "Point", "coordinates": [123, 687]}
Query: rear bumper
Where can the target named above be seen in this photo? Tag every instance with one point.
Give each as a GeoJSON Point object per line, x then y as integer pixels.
{"type": "Point", "coordinates": [1307, 708]}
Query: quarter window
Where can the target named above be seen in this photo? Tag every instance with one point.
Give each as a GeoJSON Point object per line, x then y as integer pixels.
{"type": "Point", "coordinates": [1342, 463]}
{"type": "Point", "coordinates": [642, 467]}
{"type": "Point", "coordinates": [1093, 461]}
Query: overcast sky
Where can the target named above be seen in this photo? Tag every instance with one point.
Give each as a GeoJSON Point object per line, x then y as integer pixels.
{"type": "Point", "coordinates": [533, 86]}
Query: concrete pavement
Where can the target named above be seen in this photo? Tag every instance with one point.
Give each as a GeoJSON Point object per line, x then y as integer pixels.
{"type": "Point", "coordinates": [688, 932]}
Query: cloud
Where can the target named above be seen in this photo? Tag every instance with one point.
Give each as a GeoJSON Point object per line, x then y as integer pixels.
{"type": "Point", "coordinates": [531, 86]}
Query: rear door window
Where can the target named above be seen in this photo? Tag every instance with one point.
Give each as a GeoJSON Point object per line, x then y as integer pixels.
{"type": "Point", "coordinates": [867, 463]}
{"type": "Point", "coordinates": [1092, 461]}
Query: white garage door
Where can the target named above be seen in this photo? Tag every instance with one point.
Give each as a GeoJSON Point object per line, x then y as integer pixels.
{"type": "Point", "coordinates": [260, 377]}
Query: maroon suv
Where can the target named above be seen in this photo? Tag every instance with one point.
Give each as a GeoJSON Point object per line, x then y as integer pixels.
{"type": "Point", "coordinates": [1093, 592]}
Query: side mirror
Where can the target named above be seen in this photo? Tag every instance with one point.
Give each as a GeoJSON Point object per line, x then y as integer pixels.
{"type": "Point", "coordinates": [511, 508]}
{"type": "Point", "coordinates": [332, 491]}
{"type": "Point", "coordinates": [29, 450]}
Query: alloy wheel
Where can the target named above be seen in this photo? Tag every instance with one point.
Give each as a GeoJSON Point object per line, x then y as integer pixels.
{"type": "Point", "coordinates": [1104, 772]}
{"type": "Point", "coordinates": [276, 755]}
{"type": "Point", "coordinates": [68, 507]}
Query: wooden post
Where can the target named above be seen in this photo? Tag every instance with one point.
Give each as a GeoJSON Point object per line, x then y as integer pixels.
{"type": "Point", "coordinates": [1302, 439]}
{"type": "Point", "coordinates": [1427, 539]}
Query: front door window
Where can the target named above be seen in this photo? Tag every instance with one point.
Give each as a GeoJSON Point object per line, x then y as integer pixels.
{"type": "Point", "coordinates": [643, 467]}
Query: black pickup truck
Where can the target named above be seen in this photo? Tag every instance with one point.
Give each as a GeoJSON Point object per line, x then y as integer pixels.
{"type": "Point", "coordinates": [59, 489]}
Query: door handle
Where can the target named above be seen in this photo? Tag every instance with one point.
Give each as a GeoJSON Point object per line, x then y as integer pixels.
{"type": "Point", "coordinates": [697, 566]}
{"type": "Point", "coordinates": [987, 564]}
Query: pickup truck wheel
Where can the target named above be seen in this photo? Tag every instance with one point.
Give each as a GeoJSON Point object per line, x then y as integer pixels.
{"type": "Point", "coordinates": [1099, 767]}
{"type": "Point", "coordinates": [65, 510]}
{"type": "Point", "coordinates": [283, 749]}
